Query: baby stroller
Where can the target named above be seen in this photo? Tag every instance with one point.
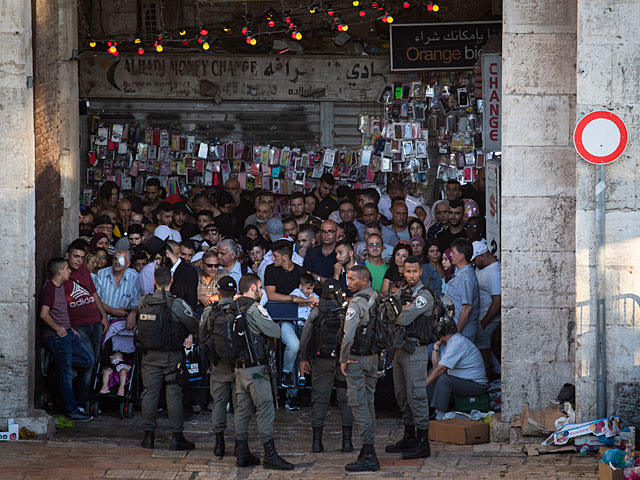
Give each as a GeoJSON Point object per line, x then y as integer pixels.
{"type": "Point", "coordinates": [118, 352]}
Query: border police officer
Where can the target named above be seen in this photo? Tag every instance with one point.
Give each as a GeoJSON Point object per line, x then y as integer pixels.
{"type": "Point", "coordinates": [222, 377]}
{"type": "Point", "coordinates": [165, 364]}
{"type": "Point", "coordinates": [410, 363]}
{"type": "Point", "coordinates": [319, 350]}
{"type": "Point", "coordinates": [253, 386]}
{"type": "Point", "coordinates": [360, 366]}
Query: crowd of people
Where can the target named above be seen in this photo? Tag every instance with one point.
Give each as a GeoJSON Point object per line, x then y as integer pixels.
{"type": "Point", "coordinates": [207, 247]}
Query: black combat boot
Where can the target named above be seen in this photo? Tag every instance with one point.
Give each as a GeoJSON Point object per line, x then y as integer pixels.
{"type": "Point", "coordinates": [422, 448]}
{"type": "Point", "coordinates": [347, 446]}
{"type": "Point", "coordinates": [317, 446]}
{"type": "Point", "coordinates": [272, 460]}
{"type": "Point", "coordinates": [244, 458]}
{"type": "Point", "coordinates": [368, 462]}
{"type": "Point", "coordinates": [178, 442]}
{"type": "Point", "coordinates": [218, 448]}
{"type": "Point", "coordinates": [407, 442]}
{"type": "Point", "coordinates": [148, 440]}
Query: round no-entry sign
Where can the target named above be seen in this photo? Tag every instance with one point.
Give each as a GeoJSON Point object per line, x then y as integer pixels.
{"type": "Point", "coordinates": [600, 137]}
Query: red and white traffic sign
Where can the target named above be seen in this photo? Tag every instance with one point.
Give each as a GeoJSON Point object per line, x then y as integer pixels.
{"type": "Point", "coordinates": [600, 137]}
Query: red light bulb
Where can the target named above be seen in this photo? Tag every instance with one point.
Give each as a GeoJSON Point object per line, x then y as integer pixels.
{"type": "Point", "coordinates": [362, 13]}
{"type": "Point", "coordinates": [272, 23]}
{"type": "Point", "coordinates": [244, 30]}
{"type": "Point", "coordinates": [405, 4]}
{"type": "Point", "coordinates": [204, 32]}
{"type": "Point", "coordinates": [141, 51]}
{"type": "Point", "coordinates": [330, 13]}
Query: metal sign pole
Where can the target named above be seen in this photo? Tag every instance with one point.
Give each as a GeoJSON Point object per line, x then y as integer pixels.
{"type": "Point", "coordinates": [601, 294]}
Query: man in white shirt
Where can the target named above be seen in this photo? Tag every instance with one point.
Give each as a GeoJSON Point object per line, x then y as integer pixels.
{"type": "Point", "coordinates": [458, 368]}
{"type": "Point", "coordinates": [395, 190]}
{"type": "Point", "coordinates": [488, 275]}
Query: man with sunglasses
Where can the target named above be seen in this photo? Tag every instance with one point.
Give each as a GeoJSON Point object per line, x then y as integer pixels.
{"type": "Point", "coordinates": [321, 259]}
{"type": "Point", "coordinates": [207, 285]}
{"type": "Point", "coordinates": [375, 263]}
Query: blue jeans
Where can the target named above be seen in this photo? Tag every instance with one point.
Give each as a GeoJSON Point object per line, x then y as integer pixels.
{"type": "Point", "coordinates": [292, 344]}
{"type": "Point", "coordinates": [68, 352]}
{"type": "Point", "coordinates": [91, 337]}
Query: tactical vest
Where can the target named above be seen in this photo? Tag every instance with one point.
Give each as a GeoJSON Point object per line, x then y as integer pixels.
{"type": "Point", "coordinates": [327, 329]}
{"type": "Point", "coordinates": [256, 346]}
{"type": "Point", "coordinates": [364, 338]}
{"type": "Point", "coordinates": [423, 326]}
{"type": "Point", "coordinates": [157, 329]}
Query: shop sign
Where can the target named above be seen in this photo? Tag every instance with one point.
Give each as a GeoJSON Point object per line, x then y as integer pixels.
{"type": "Point", "coordinates": [492, 191]}
{"type": "Point", "coordinates": [233, 77]}
{"type": "Point", "coordinates": [439, 46]}
{"type": "Point", "coordinates": [492, 106]}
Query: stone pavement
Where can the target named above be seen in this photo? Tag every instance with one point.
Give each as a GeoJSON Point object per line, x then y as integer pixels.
{"type": "Point", "coordinates": [108, 447]}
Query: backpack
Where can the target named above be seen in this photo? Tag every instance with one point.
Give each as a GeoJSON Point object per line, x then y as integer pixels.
{"type": "Point", "coordinates": [155, 330]}
{"type": "Point", "coordinates": [328, 329]}
{"type": "Point", "coordinates": [229, 329]}
{"type": "Point", "coordinates": [205, 332]}
{"type": "Point", "coordinates": [379, 333]}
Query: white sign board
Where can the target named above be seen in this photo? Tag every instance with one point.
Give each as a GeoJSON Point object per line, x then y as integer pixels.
{"type": "Point", "coordinates": [492, 102]}
{"type": "Point", "coordinates": [492, 177]}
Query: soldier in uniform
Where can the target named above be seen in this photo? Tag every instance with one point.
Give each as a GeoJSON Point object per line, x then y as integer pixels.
{"type": "Point", "coordinates": [410, 363]}
{"type": "Point", "coordinates": [360, 366]}
{"type": "Point", "coordinates": [165, 365]}
{"type": "Point", "coordinates": [253, 387]}
{"type": "Point", "coordinates": [319, 350]}
{"type": "Point", "coordinates": [221, 374]}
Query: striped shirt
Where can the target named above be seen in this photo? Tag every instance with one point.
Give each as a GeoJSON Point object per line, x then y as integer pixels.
{"type": "Point", "coordinates": [125, 296]}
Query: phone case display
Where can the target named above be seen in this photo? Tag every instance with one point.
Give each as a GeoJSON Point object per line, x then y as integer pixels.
{"type": "Point", "coordinates": [181, 160]}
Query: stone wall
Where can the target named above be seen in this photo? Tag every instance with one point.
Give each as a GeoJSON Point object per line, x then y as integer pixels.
{"type": "Point", "coordinates": [538, 201]}
{"type": "Point", "coordinates": [608, 78]}
{"type": "Point", "coordinates": [17, 194]}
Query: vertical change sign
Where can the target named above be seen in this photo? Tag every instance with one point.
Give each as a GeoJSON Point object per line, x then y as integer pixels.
{"type": "Point", "coordinates": [600, 137]}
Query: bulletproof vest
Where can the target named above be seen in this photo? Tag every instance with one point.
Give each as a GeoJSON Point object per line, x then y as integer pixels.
{"type": "Point", "coordinates": [157, 329]}
{"type": "Point", "coordinates": [256, 346]}
{"type": "Point", "coordinates": [364, 338]}
{"type": "Point", "coordinates": [423, 326]}
{"type": "Point", "coordinates": [328, 329]}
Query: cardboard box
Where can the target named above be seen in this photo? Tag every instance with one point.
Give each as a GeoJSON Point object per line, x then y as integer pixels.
{"type": "Point", "coordinates": [13, 433]}
{"type": "Point", "coordinates": [538, 423]}
{"type": "Point", "coordinates": [607, 473]}
{"type": "Point", "coordinates": [458, 431]}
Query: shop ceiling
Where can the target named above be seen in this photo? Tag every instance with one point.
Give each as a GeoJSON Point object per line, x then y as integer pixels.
{"type": "Point", "coordinates": [227, 26]}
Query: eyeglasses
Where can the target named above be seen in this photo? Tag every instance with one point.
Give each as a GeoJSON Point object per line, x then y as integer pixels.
{"type": "Point", "coordinates": [212, 265]}
{"type": "Point", "coordinates": [350, 210]}
{"type": "Point", "coordinates": [376, 245]}
{"type": "Point", "coordinates": [327, 232]}
{"type": "Point", "coordinates": [210, 231]}
{"type": "Point", "coordinates": [101, 256]}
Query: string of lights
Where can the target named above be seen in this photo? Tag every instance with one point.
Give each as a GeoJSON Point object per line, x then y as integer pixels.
{"type": "Point", "coordinates": [290, 21]}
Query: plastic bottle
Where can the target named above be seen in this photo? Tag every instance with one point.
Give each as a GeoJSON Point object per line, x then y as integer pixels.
{"type": "Point", "coordinates": [584, 450]}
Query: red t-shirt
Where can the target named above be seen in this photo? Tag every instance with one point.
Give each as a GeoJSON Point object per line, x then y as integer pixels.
{"type": "Point", "coordinates": [82, 304]}
{"type": "Point", "coordinates": [54, 298]}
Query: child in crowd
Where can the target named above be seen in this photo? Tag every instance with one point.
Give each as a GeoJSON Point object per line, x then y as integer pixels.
{"type": "Point", "coordinates": [304, 290]}
{"type": "Point", "coordinates": [119, 377]}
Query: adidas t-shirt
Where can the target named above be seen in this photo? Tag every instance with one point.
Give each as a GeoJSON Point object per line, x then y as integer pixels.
{"type": "Point", "coordinates": [80, 300]}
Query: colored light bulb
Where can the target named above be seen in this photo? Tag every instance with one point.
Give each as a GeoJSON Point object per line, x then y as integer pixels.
{"type": "Point", "coordinates": [205, 46]}
{"type": "Point", "coordinates": [141, 51]}
{"type": "Point", "coordinates": [92, 44]}
{"type": "Point", "coordinates": [298, 36]}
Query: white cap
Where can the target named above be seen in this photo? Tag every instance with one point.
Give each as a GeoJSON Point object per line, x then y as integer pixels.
{"type": "Point", "coordinates": [162, 232]}
{"type": "Point", "coordinates": [197, 257]}
{"type": "Point", "coordinates": [479, 247]}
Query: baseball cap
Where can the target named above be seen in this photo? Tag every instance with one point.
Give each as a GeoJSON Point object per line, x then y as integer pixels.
{"type": "Point", "coordinates": [330, 286]}
{"type": "Point", "coordinates": [479, 247]}
{"type": "Point", "coordinates": [227, 284]}
{"type": "Point", "coordinates": [275, 228]}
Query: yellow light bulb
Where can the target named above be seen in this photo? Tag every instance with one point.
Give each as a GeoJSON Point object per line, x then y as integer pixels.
{"type": "Point", "coordinates": [389, 19]}
{"type": "Point", "coordinates": [92, 44]}
{"type": "Point", "coordinates": [345, 28]}
{"type": "Point", "coordinates": [159, 48]}
{"type": "Point", "coordinates": [205, 46]}
{"type": "Point", "coordinates": [137, 40]}
{"type": "Point", "coordinates": [298, 36]}
{"type": "Point", "coordinates": [182, 33]}
{"type": "Point", "coordinates": [253, 41]}
{"type": "Point", "coordinates": [312, 10]}
{"type": "Point", "coordinates": [355, 3]}
{"type": "Point", "coordinates": [436, 8]}
{"type": "Point", "coordinates": [112, 49]}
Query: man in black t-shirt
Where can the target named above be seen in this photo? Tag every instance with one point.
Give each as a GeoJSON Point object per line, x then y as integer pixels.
{"type": "Point", "coordinates": [283, 276]}
{"type": "Point", "coordinates": [326, 203]}
{"type": "Point", "coordinates": [476, 191]}
{"type": "Point", "coordinates": [456, 225]}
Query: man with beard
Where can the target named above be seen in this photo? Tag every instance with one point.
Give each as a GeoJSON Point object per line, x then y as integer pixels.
{"type": "Point", "coordinates": [297, 206]}
{"type": "Point", "coordinates": [455, 229]}
{"type": "Point", "coordinates": [263, 214]}
{"type": "Point", "coordinates": [241, 207]}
